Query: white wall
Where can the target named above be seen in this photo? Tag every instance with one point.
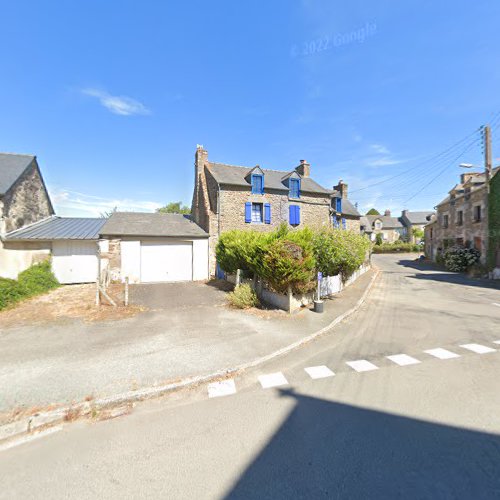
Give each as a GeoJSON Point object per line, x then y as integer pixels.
{"type": "Point", "coordinates": [16, 257]}
{"type": "Point", "coordinates": [200, 259]}
{"type": "Point", "coordinates": [131, 261]}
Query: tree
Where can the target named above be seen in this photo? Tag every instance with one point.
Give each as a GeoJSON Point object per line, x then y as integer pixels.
{"type": "Point", "coordinates": [174, 207]}
{"type": "Point", "coordinates": [373, 211]}
{"type": "Point", "coordinates": [379, 239]}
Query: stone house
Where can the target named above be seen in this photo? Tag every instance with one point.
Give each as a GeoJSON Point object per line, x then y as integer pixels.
{"type": "Point", "coordinates": [391, 228]}
{"type": "Point", "coordinates": [229, 197]}
{"type": "Point", "coordinates": [414, 221]}
{"type": "Point", "coordinates": [24, 200]}
{"type": "Point", "coordinates": [462, 219]}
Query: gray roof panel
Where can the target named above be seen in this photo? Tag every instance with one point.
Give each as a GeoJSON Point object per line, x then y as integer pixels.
{"type": "Point", "coordinates": [60, 228]}
{"type": "Point", "coordinates": [273, 179]}
{"type": "Point", "coordinates": [418, 217]}
{"type": "Point", "coordinates": [387, 221]}
{"type": "Point", "coordinates": [12, 167]}
{"type": "Point", "coordinates": [347, 207]}
{"type": "Point", "coordinates": [151, 224]}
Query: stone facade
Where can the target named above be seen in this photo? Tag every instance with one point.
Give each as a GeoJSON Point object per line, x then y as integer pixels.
{"type": "Point", "coordinates": [461, 219]}
{"type": "Point", "coordinates": [218, 207]}
{"type": "Point", "coordinates": [26, 202]}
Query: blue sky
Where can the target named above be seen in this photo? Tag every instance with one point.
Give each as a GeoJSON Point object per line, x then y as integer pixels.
{"type": "Point", "coordinates": [113, 97]}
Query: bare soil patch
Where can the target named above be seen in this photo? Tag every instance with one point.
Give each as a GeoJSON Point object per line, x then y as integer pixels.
{"type": "Point", "coordinates": [69, 301]}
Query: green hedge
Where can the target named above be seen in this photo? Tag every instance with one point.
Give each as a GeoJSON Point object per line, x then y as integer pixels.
{"type": "Point", "coordinates": [287, 258]}
{"type": "Point", "coordinates": [396, 247]}
{"type": "Point", "coordinates": [33, 281]}
{"type": "Point", "coordinates": [494, 221]}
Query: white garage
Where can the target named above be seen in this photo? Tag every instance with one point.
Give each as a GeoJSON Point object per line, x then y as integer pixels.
{"type": "Point", "coordinates": [72, 242]}
{"type": "Point", "coordinates": [157, 248]}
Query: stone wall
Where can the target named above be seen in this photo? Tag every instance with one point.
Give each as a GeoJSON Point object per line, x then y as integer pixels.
{"type": "Point", "coordinates": [26, 202]}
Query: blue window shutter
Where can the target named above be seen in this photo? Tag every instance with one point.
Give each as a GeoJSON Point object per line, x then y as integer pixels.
{"type": "Point", "coordinates": [338, 207]}
{"type": "Point", "coordinates": [267, 213]}
{"type": "Point", "coordinates": [291, 214]}
{"type": "Point", "coordinates": [344, 223]}
{"type": "Point", "coordinates": [297, 214]}
{"type": "Point", "coordinates": [335, 222]}
{"type": "Point", "coordinates": [248, 212]}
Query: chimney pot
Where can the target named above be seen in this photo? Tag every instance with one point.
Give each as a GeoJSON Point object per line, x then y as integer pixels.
{"type": "Point", "coordinates": [341, 187]}
{"type": "Point", "coordinates": [304, 169]}
{"type": "Point", "coordinates": [387, 213]}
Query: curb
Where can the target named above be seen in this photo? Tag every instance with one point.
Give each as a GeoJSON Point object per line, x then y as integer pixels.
{"type": "Point", "coordinates": [44, 420]}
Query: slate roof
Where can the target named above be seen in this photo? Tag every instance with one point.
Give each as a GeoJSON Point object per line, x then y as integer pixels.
{"type": "Point", "coordinates": [347, 207]}
{"type": "Point", "coordinates": [418, 217]}
{"type": "Point", "coordinates": [232, 175]}
{"type": "Point", "coordinates": [12, 167]}
{"type": "Point", "coordinates": [387, 221]}
{"type": "Point", "coordinates": [59, 228]}
{"type": "Point", "coordinates": [151, 224]}
{"type": "Point", "coordinates": [365, 223]}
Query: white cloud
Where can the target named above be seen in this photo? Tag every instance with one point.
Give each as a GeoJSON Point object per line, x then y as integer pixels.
{"type": "Point", "coordinates": [74, 204]}
{"type": "Point", "coordinates": [380, 149]}
{"type": "Point", "coordinates": [119, 105]}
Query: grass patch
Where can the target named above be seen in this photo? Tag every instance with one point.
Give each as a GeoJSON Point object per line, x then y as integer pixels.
{"type": "Point", "coordinates": [33, 281]}
{"type": "Point", "coordinates": [243, 297]}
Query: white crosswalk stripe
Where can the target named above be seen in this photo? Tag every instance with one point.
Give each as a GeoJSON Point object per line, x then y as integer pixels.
{"type": "Point", "coordinates": [272, 380]}
{"type": "Point", "coordinates": [319, 372]}
{"type": "Point", "coordinates": [478, 348]}
{"type": "Point", "coordinates": [496, 341]}
{"type": "Point", "coordinates": [403, 359]}
{"type": "Point", "coordinates": [222, 388]}
{"type": "Point", "coordinates": [361, 365]}
{"type": "Point", "coordinates": [442, 353]}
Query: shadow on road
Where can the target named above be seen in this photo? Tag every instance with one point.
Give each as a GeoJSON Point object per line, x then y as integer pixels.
{"type": "Point", "coordinates": [438, 274]}
{"type": "Point", "coordinates": [332, 450]}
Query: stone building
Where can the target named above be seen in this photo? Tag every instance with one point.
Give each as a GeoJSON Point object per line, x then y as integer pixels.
{"type": "Point", "coordinates": [414, 222]}
{"type": "Point", "coordinates": [391, 228]}
{"type": "Point", "coordinates": [229, 197]}
{"type": "Point", "coordinates": [24, 200]}
{"type": "Point", "coordinates": [462, 219]}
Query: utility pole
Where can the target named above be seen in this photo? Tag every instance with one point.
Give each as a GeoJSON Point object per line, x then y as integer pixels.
{"type": "Point", "coordinates": [487, 155]}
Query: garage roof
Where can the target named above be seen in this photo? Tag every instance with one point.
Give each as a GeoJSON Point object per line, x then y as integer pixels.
{"type": "Point", "coordinates": [59, 228]}
{"type": "Point", "coordinates": [151, 224]}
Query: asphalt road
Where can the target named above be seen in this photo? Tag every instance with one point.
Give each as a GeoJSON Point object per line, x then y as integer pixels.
{"type": "Point", "coordinates": [418, 426]}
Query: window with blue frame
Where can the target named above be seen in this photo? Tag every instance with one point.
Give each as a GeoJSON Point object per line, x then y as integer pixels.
{"type": "Point", "coordinates": [257, 213]}
{"type": "Point", "coordinates": [294, 188]}
{"type": "Point", "coordinates": [338, 205]}
{"type": "Point", "coordinates": [294, 215]}
{"type": "Point", "coordinates": [257, 184]}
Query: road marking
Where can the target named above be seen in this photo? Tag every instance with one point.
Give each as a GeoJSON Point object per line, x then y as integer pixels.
{"type": "Point", "coordinates": [478, 348]}
{"type": "Point", "coordinates": [403, 359]}
{"type": "Point", "coordinates": [361, 365]}
{"type": "Point", "coordinates": [222, 388]}
{"type": "Point", "coordinates": [319, 372]}
{"type": "Point", "coordinates": [496, 341]}
{"type": "Point", "coordinates": [496, 304]}
{"type": "Point", "coordinates": [272, 380]}
{"type": "Point", "coordinates": [442, 353]}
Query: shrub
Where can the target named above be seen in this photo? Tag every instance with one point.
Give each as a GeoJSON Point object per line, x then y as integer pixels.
{"type": "Point", "coordinates": [10, 292]}
{"type": "Point", "coordinates": [339, 252]}
{"type": "Point", "coordinates": [33, 281]}
{"type": "Point", "coordinates": [397, 247]}
{"type": "Point", "coordinates": [243, 297]}
{"type": "Point", "coordinates": [37, 279]}
{"type": "Point", "coordinates": [379, 239]}
{"type": "Point", "coordinates": [459, 259]}
{"type": "Point", "coordinates": [287, 264]}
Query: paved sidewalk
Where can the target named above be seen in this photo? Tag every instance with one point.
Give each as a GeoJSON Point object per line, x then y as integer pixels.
{"type": "Point", "coordinates": [68, 362]}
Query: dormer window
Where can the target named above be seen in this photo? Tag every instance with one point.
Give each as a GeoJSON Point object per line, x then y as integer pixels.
{"type": "Point", "coordinates": [294, 188]}
{"type": "Point", "coordinates": [257, 184]}
{"type": "Point", "coordinates": [337, 203]}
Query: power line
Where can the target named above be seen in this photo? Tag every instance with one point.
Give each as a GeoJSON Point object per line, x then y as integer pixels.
{"type": "Point", "coordinates": [439, 173]}
{"type": "Point", "coordinates": [434, 157]}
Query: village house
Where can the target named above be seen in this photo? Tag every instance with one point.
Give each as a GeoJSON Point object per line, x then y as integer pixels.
{"type": "Point", "coordinates": [469, 216]}
{"type": "Point", "coordinates": [24, 200]}
{"type": "Point", "coordinates": [234, 197]}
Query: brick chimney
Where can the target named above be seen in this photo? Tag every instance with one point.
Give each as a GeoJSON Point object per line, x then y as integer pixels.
{"type": "Point", "coordinates": [341, 187]}
{"type": "Point", "coordinates": [387, 213]}
{"type": "Point", "coordinates": [404, 212]}
{"type": "Point", "coordinates": [304, 169]}
{"type": "Point", "coordinates": [465, 177]}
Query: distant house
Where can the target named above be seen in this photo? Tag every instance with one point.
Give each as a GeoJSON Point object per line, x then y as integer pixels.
{"type": "Point", "coordinates": [391, 228]}
{"type": "Point", "coordinates": [234, 197]}
{"type": "Point", "coordinates": [414, 221]}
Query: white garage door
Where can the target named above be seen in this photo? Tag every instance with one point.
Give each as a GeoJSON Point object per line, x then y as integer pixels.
{"type": "Point", "coordinates": [161, 261]}
{"type": "Point", "coordinates": [74, 261]}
